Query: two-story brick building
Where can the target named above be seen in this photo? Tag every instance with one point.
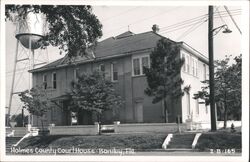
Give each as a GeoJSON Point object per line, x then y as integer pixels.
{"type": "Point", "coordinates": [122, 59]}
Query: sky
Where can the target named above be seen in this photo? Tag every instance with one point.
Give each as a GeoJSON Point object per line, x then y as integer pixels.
{"type": "Point", "coordinates": [139, 19]}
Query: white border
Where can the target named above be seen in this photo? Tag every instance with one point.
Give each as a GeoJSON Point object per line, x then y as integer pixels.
{"type": "Point", "coordinates": [245, 83]}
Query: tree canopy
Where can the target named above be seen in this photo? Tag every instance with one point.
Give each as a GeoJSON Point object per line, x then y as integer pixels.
{"type": "Point", "coordinates": [35, 101]}
{"type": "Point", "coordinates": [92, 92]}
{"type": "Point", "coordinates": [163, 76]}
{"type": "Point", "coordinates": [71, 28]}
{"type": "Point", "coordinates": [227, 81]}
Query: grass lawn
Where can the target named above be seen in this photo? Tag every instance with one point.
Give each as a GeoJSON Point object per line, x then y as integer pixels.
{"type": "Point", "coordinates": [118, 141]}
{"type": "Point", "coordinates": [219, 140]}
{"type": "Point", "coordinates": [222, 139]}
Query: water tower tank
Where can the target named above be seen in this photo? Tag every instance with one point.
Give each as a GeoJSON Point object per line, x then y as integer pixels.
{"type": "Point", "coordinates": [31, 30]}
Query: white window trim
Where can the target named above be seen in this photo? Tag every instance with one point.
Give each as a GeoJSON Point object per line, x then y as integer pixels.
{"type": "Point", "coordinates": [196, 67]}
{"type": "Point", "coordinates": [53, 80]}
{"type": "Point", "coordinates": [140, 64]}
{"type": "Point", "coordinates": [183, 56]}
{"type": "Point", "coordinates": [191, 64]}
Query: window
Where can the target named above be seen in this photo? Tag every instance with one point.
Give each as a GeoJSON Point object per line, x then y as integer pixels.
{"type": "Point", "coordinates": [197, 106]}
{"type": "Point", "coordinates": [114, 72]}
{"type": "Point", "coordinates": [184, 66]}
{"type": "Point", "coordinates": [192, 65]}
{"type": "Point", "coordinates": [204, 72]}
{"type": "Point", "coordinates": [138, 65]}
{"type": "Point", "coordinates": [54, 80]}
{"type": "Point", "coordinates": [102, 69]}
{"type": "Point", "coordinates": [45, 81]}
{"type": "Point", "coordinates": [76, 74]}
{"type": "Point", "coordinates": [196, 67]}
{"type": "Point", "coordinates": [145, 63]}
{"type": "Point", "coordinates": [188, 63]}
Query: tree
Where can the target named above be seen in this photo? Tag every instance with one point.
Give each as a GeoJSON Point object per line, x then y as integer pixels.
{"type": "Point", "coordinates": [19, 119]}
{"type": "Point", "coordinates": [94, 93]}
{"type": "Point", "coordinates": [227, 88]}
{"type": "Point", "coordinates": [71, 28]}
{"type": "Point", "coordinates": [35, 101]}
{"type": "Point", "coordinates": [163, 76]}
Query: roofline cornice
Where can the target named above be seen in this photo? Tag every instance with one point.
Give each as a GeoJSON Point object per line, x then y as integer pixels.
{"type": "Point", "coordinates": [188, 48]}
{"type": "Point", "coordinates": [97, 59]}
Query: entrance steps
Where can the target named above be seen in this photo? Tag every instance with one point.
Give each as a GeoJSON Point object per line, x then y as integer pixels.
{"type": "Point", "coordinates": [181, 141]}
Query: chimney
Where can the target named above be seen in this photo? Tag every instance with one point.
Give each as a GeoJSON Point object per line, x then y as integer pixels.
{"type": "Point", "coordinates": [155, 28]}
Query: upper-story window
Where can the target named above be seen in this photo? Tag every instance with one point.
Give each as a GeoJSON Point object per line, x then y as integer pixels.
{"type": "Point", "coordinates": [76, 70]}
{"type": "Point", "coordinates": [54, 80]}
{"type": "Point", "coordinates": [184, 65]}
{"type": "Point", "coordinates": [145, 63]}
{"type": "Point", "coordinates": [190, 65]}
{"type": "Point", "coordinates": [196, 67]}
{"type": "Point", "coordinates": [45, 84]}
{"type": "Point", "coordinates": [102, 69]}
{"type": "Point", "coordinates": [138, 65]}
{"type": "Point", "coordinates": [204, 77]}
{"type": "Point", "coordinates": [187, 63]}
{"type": "Point", "coordinates": [114, 71]}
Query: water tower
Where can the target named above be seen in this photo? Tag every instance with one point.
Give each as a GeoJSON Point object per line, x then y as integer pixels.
{"type": "Point", "coordinates": [29, 33]}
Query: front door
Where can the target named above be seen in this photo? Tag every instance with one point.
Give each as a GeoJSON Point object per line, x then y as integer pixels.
{"type": "Point", "coordinates": [139, 112]}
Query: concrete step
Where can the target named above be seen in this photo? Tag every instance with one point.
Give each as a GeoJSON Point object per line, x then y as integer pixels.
{"type": "Point", "coordinates": [107, 129]}
{"type": "Point", "coordinates": [181, 141]}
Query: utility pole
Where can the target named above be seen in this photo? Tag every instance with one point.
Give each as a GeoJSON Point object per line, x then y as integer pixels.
{"type": "Point", "coordinates": [211, 67]}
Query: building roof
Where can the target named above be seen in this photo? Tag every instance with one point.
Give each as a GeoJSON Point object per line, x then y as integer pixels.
{"type": "Point", "coordinates": [123, 44]}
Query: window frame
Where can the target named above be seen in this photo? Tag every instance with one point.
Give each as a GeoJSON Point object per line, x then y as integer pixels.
{"type": "Point", "coordinates": [112, 72]}
{"type": "Point", "coordinates": [75, 73]}
{"type": "Point", "coordinates": [196, 64]}
{"type": "Point", "coordinates": [183, 56]}
{"type": "Point", "coordinates": [204, 77]}
{"type": "Point", "coordinates": [142, 66]}
{"type": "Point", "coordinates": [187, 63]}
{"type": "Point", "coordinates": [45, 82]}
{"type": "Point", "coordinates": [140, 57]}
{"type": "Point", "coordinates": [54, 81]}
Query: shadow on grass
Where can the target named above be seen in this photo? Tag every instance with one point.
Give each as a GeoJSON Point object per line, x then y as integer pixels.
{"type": "Point", "coordinates": [219, 140]}
{"type": "Point", "coordinates": [135, 141]}
{"type": "Point", "coordinates": [39, 141]}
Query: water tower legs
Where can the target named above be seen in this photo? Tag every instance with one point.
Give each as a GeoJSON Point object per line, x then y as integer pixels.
{"type": "Point", "coordinates": [12, 83]}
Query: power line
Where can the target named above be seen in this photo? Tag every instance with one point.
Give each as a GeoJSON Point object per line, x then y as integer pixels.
{"type": "Point", "coordinates": [190, 30]}
{"type": "Point", "coordinates": [169, 31]}
{"type": "Point", "coordinates": [184, 26]}
{"type": "Point", "coordinates": [135, 22]}
{"type": "Point", "coordinates": [217, 10]}
{"type": "Point", "coordinates": [121, 13]}
{"type": "Point", "coordinates": [232, 19]}
{"type": "Point", "coordinates": [199, 18]}
{"type": "Point", "coordinates": [190, 21]}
